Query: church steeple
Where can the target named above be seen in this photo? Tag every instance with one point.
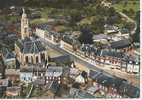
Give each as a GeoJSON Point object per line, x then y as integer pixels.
{"type": "Point", "coordinates": [24, 25]}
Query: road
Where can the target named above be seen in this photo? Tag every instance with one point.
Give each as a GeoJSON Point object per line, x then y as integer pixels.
{"type": "Point", "coordinates": [134, 79]}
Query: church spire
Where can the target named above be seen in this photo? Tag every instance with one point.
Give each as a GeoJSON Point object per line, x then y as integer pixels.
{"type": "Point", "coordinates": [23, 10]}
{"type": "Point", "coordinates": [24, 25]}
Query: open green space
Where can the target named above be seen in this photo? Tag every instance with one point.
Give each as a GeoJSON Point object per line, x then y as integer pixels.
{"type": "Point", "coordinates": [131, 4]}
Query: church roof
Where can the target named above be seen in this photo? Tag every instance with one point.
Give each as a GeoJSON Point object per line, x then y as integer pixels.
{"type": "Point", "coordinates": [30, 45]}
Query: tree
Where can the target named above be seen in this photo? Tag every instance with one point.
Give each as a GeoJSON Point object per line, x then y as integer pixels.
{"type": "Point", "coordinates": [86, 36]}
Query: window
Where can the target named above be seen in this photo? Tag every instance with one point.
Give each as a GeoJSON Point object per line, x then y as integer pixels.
{"type": "Point", "coordinates": [42, 55]}
{"type": "Point", "coordinates": [25, 30]}
{"type": "Point", "coordinates": [36, 59]}
{"type": "Point", "coordinates": [31, 59]}
{"type": "Point", "coordinates": [26, 59]}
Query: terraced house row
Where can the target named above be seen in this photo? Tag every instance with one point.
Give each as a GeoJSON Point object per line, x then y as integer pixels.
{"type": "Point", "coordinates": [116, 53]}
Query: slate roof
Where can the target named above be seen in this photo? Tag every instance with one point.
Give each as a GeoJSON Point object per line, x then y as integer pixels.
{"type": "Point", "coordinates": [54, 71]}
{"type": "Point", "coordinates": [94, 74]}
{"type": "Point", "coordinates": [80, 93]}
{"type": "Point", "coordinates": [4, 82]}
{"type": "Point", "coordinates": [43, 26]}
{"type": "Point", "coordinates": [106, 80]}
{"type": "Point", "coordinates": [135, 59]}
{"type": "Point", "coordinates": [62, 59]}
{"type": "Point", "coordinates": [100, 37]}
{"type": "Point", "coordinates": [39, 81]}
{"type": "Point", "coordinates": [84, 94]}
{"type": "Point", "coordinates": [33, 68]}
{"type": "Point", "coordinates": [111, 53]}
{"type": "Point", "coordinates": [30, 45]}
{"type": "Point", "coordinates": [7, 54]}
{"type": "Point", "coordinates": [92, 89]}
{"type": "Point", "coordinates": [88, 48]}
{"type": "Point", "coordinates": [68, 39]}
{"type": "Point", "coordinates": [54, 86]}
{"type": "Point", "coordinates": [120, 44]}
{"type": "Point", "coordinates": [129, 90]}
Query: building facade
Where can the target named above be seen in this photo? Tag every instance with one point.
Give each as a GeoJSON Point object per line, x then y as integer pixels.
{"type": "Point", "coordinates": [29, 49]}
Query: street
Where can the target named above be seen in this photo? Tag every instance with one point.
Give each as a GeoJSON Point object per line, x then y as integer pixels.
{"type": "Point", "coordinates": [134, 79]}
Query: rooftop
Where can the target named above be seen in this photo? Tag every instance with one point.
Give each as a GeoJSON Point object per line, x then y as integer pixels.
{"type": "Point", "coordinates": [30, 45]}
{"type": "Point", "coordinates": [120, 44]}
{"type": "Point", "coordinates": [55, 71]}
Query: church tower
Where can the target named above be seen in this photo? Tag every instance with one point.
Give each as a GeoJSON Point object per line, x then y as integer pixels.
{"type": "Point", "coordinates": [24, 25]}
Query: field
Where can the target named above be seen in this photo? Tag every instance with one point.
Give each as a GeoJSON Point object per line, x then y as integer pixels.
{"type": "Point", "coordinates": [131, 4]}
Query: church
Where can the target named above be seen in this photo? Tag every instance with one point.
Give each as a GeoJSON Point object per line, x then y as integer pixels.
{"type": "Point", "coordinates": [29, 49]}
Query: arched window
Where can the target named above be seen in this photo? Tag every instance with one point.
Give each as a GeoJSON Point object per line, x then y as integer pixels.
{"type": "Point", "coordinates": [31, 59]}
{"type": "Point", "coordinates": [42, 55]}
{"type": "Point", "coordinates": [26, 59]}
{"type": "Point", "coordinates": [25, 30]}
{"type": "Point", "coordinates": [36, 59]}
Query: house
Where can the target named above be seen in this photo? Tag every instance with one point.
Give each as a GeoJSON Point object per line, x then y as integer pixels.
{"type": "Point", "coordinates": [74, 72]}
{"type": "Point", "coordinates": [43, 30]}
{"type": "Point", "coordinates": [121, 44]}
{"type": "Point", "coordinates": [100, 37]}
{"type": "Point", "coordinates": [80, 79]}
{"type": "Point", "coordinates": [106, 83]}
{"type": "Point", "coordinates": [38, 82]}
{"type": "Point", "coordinates": [92, 90]}
{"type": "Point", "coordinates": [9, 59]}
{"type": "Point", "coordinates": [80, 94]}
{"type": "Point", "coordinates": [13, 91]}
{"type": "Point", "coordinates": [3, 86]}
{"type": "Point", "coordinates": [54, 73]}
{"type": "Point", "coordinates": [93, 74]}
{"type": "Point", "coordinates": [133, 63]}
{"type": "Point", "coordinates": [110, 29]}
{"type": "Point", "coordinates": [12, 74]}
{"type": "Point", "coordinates": [129, 91]}
{"type": "Point", "coordinates": [26, 75]}
{"type": "Point", "coordinates": [32, 73]}
{"type": "Point", "coordinates": [112, 57]}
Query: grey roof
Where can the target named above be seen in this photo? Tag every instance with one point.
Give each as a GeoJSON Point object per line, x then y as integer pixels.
{"type": "Point", "coordinates": [120, 44]}
{"type": "Point", "coordinates": [135, 59]}
{"type": "Point", "coordinates": [129, 90]}
{"type": "Point", "coordinates": [54, 71]}
{"type": "Point", "coordinates": [54, 86]}
{"type": "Point", "coordinates": [106, 80]}
{"type": "Point", "coordinates": [62, 59]}
{"type": "Point", "coordinates": [80, 93]}
{"type": "Point", "coordinates": [7, 54]}
{"type": "Point", "coordinates": [33, 68]}
{"type": "Point", "coordinates": [100, 36]}
{"type": "Point", "coordinates": [30, 45]}
{"type": "Point", "coordinates": [92, 89]}
{"type": "Point", "coordinates": [39, 81]}
{"type": "Point", "coordinates": [4, 82]}
{"type": "Point", "coordinates": [94, 74]}
{"type": "Point", "coordinates": [111, 53]}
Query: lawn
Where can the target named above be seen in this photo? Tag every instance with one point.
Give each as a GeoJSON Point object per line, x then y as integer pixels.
{"type": "Point", "coordinates": [39, 21]}
{"type": "Point", "coordinates": [132, 4]}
